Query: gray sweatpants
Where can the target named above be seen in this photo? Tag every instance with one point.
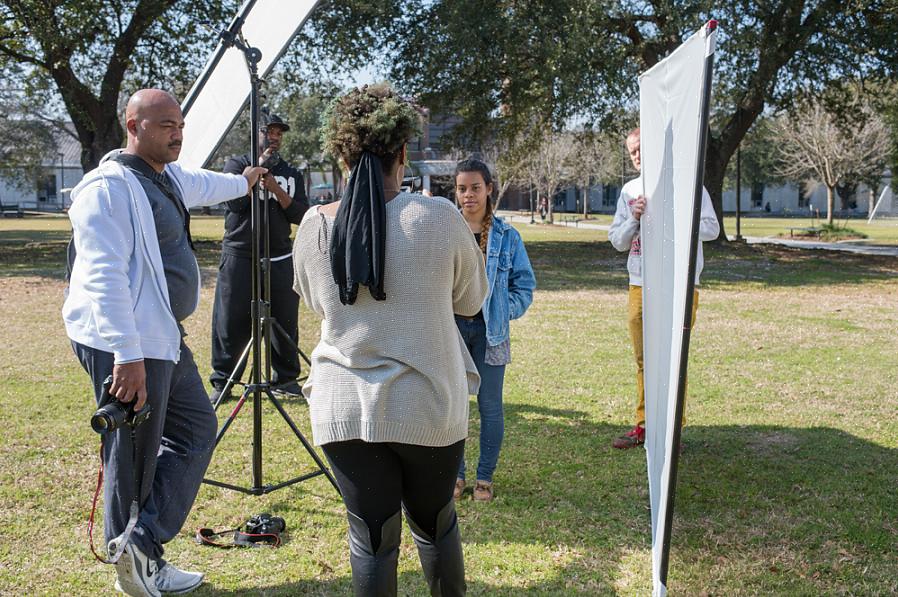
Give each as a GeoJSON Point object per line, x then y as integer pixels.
{"type": "Point", "coordinates": [173, 449]}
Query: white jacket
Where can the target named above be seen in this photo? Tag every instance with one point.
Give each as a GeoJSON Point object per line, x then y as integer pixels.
{"type": "Point", "coordinates": [624, 230]}
{"type": "Point", "coordinates": [117, 299]}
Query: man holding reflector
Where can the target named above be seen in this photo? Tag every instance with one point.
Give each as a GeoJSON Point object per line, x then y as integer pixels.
{"type": "Point", "coordinates": [624, 235]}
{"type": "Point", "coordinates": [674, 104]}
{"type": "Point", "coordinates": [231, 317]}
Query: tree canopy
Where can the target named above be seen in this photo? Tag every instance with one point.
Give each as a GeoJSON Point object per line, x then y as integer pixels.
{"type": "Point", "coordinates": [502, 65]}
{"type": "Point", "coordinates": [88, 52]}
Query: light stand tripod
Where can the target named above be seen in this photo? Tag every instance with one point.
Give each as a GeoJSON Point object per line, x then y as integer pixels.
{"type": "Point", "coordinates": [260, 310]}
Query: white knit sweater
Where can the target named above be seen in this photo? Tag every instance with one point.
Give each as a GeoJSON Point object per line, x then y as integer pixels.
{"type": "Point", "coordinates": [394, 370]}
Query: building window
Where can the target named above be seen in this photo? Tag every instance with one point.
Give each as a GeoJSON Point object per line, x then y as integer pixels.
{"type": "Point", "coordinates": [46, 188]}
{"type": "Point", "coordinates": [757, 194]}
{"type": "Point", "coordinates": [804, 198]}
{"type": "Point", "coordinates": [609, 195]}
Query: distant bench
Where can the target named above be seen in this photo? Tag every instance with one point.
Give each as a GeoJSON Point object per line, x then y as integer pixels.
{"type": "Point", "coordinates": [11, 210]}
{"type": "Point", "coordinates": [810, 231]}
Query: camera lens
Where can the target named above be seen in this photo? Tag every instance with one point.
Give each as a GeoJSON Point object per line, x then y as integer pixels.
{"type": "Point", "coordinates": [109, 417]}
{"type": "Point", "coordinates": [101, 422]}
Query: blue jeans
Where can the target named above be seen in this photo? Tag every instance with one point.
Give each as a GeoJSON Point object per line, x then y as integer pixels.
{"type": "Point", "coordinates": [489, 399]}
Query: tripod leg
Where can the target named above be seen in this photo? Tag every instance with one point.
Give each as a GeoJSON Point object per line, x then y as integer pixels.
{"type": "Point", "coordinates": [309, 448]}
{"type": "Point", "coordinates": [231, 417]}
{"type": "Point", "coordinates": [234, 378]}
{"type": "Point", "coordinates": [280, 329]}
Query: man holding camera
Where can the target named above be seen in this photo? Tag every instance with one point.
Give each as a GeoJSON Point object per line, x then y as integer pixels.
{"type": "Point", "coordinates": [133, 279]}
{"type": "Point", "coordinates": [231, 317]}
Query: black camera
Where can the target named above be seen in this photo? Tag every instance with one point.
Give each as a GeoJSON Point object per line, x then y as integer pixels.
{"type": "Point", "coordinates": [114, 414]}
{"type": "Point", "coordinates": [273, 159]}
{"type": "Point", "coordinates": [265, 524]}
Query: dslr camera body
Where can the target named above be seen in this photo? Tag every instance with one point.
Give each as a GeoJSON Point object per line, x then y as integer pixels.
{"type": "Point", "coordinates": [265, 524]}
{"type": "Point", "coordinates": [114, 414]}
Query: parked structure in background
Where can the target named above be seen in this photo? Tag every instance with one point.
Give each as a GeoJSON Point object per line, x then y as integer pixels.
{"type": "Point", "coordinates": [61, 170]}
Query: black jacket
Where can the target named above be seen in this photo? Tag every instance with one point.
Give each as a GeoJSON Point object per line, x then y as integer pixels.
{"type": "Point", "coordinates": [238, 231]}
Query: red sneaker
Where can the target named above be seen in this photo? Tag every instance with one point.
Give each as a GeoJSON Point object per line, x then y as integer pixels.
{"type": "Point", "coordinates": [633, 438]}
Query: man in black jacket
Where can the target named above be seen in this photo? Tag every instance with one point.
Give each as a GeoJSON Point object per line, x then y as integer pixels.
{"type": "Point", "coordinates": [231, 320]}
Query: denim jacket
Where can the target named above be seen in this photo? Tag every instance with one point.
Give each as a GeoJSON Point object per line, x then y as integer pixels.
{"type": "Point", "coordinates": [511, 281]}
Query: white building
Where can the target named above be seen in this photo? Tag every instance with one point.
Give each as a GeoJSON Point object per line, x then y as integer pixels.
{"type": "Point", "coordinates": [61, 170]}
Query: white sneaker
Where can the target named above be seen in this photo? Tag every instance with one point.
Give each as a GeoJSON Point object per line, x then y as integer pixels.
{"type": "Point", "coordinates": [172, 580]}
{"type": "Point", "coordinates": [136, 572]}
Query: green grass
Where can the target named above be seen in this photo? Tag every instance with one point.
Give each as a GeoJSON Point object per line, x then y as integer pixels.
{"type": "Point", "coordinates": [788, 485]}
{"type": "Point", "coordinates": [880, 231]}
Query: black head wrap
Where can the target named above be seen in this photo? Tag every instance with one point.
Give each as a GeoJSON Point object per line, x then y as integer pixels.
{"type": "Point", "coordinates": [358, 242]}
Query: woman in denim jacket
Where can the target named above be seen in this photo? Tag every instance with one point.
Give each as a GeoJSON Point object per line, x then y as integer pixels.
{"type": "Point", "coordinates": [511, 284]}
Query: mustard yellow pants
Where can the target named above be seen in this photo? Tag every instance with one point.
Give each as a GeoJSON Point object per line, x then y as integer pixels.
{"type": "Point", "coordinates": [634, 321]}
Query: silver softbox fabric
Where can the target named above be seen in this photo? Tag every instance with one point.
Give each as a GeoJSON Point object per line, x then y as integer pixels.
{"type": "Point", "coordinates": [670, 97]}
{"type": "Point", "coordinates": [222, 90]}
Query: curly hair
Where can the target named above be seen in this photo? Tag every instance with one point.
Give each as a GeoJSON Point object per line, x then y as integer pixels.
{"type": "Point", "coordinates": [373, 118]}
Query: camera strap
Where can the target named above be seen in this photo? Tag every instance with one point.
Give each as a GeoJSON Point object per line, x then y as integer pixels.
{"type": "Point", "coordinates": [261, 531]}
{"type": "Point", "coordinates": [208, 537]}
{"type": "Point", "coordinates": [134, 509]}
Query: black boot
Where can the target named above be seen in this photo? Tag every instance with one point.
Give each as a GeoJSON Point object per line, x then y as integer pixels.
{"type": "Point", "coordinates": [374, 573]}
{"type": "Point", "coordinates": [441, 557]}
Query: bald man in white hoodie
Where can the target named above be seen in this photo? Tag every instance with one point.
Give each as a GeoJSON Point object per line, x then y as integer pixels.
{"type": "Point", "coordinates": [133, 279]}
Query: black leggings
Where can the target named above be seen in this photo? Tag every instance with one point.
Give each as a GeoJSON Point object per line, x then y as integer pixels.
{"type": "Point", "coordinates": [376, 478]}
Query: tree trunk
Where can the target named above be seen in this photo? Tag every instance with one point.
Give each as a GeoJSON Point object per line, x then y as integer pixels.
{"type": "Point", "coordinates": [830, 204]}
{"type": "Point", "coordinates": [586, 202]}
{"type": "Point", "coordinates": [550, 208]}
{"type": "Point", "coordinates": [97, 143]}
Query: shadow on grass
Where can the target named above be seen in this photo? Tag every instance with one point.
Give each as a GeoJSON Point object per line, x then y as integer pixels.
{"type": "Point", "coordinates": [778, 265]}
{"type": "Point", "coordinates": [760, 510]}
{"type": "Point", "coordinates": [46, 257]}
{"type": "Point", "coordinates": [559, 265]}
{"type": "Point", "coordinates": [797, 508]}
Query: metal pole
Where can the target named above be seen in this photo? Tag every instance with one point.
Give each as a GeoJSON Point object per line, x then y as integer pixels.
{"type": "Point", "coordinates": [739, 193]}
{"type": "Point", "coordinates": [61, 185]}
{"type": "Point", "coordinates": [257, 308]}
{"type": "Point", "coordinates": [532, 221]}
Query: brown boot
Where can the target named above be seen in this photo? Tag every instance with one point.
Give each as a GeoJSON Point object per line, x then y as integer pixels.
{"type": "Point", "coordinates": [483, 491]}
{"type": "Point", "coordinates": [633, 438]}
{"type": "Point", "coordinates": [459, 489]}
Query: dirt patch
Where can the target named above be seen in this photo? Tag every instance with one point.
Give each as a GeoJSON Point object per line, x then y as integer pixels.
{"type": "Point", "coordinates": [771, 441]}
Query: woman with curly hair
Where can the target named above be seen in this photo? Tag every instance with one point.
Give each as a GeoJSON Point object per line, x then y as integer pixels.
{"type": "Point", "coordinates": [389, 382]}
{"type": "Point", "coordinates": [511, 284]}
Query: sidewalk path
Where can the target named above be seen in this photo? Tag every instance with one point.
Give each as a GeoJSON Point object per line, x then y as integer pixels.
{"type": "Point", "coordinates": [848, 247]}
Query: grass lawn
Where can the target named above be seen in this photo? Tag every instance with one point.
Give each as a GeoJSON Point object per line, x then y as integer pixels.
{"type": "Point", "coordinates": [883, 231]}
{"type": "Point", "coordinates": [788, 485]}
{"type": "Point", "coordinates": [880, 231]}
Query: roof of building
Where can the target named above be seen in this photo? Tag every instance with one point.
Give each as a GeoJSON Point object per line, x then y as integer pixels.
{"type": "Point", "coordinates": [67, 147]}
{"type": "Point", "coordinates": [434, 167]}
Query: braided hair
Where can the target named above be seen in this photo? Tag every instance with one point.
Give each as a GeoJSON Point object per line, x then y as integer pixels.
{"type": "Point", "coordinates": [474, 165]}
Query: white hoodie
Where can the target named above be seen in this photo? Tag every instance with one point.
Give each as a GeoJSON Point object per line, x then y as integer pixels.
{"type": "Point", "coordinates": [624, 230]}
{"type": "Point", "coordinates": [117, 299]}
